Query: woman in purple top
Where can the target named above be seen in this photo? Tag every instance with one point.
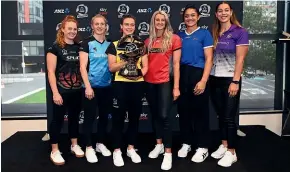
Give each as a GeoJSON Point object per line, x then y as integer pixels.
{"type": "Point", "coordinates": [230, 49]}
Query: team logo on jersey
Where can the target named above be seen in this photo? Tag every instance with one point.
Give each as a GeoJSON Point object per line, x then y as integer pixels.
{"type": "Point", "coordinates": [229, 36]}
{"type": "Point", "coordinates": [58, 26]}
{"type": "Point", "coordinates": [123, 9]}
{"type": "Point", "coordinates": [82, 11]}
{"type": "Point", "coordinates": [165, 8]}
{"type": "Point", "coordinates": [103, 11]}
{"type": "Point", "coordinates": [143, 28]}
{"type": "Point", "coordinates": [182, 27]}
{"type": "Point", "coordinates": [62, 11]}
{"type": "Point", "coordinates": [204, 10]}
{"type": "Point", "coordinates": [64, 52]}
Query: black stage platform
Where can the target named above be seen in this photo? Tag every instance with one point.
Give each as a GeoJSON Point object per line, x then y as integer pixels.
{"type": "Point", "coordinates": [260, 151]}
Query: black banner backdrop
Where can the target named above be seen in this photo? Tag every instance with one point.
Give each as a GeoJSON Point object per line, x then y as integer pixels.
{"type": "Point", "coordinates": [55, 11]}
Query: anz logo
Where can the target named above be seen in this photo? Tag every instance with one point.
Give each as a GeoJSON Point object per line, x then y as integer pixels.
{"type": "Point", "coordinates": [144, 10]}
{"type": "Point", "coordinates": [61, 11]}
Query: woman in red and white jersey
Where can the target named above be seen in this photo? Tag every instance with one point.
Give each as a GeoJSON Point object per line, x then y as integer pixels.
{"type": "Point", "coordinates": [162, 46]}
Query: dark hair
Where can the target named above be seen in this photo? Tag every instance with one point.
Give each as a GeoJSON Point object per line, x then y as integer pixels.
{"type": "Point", "coordinates": [190, 6]}
{"type": "Point", "coordinates": [217, 26]}
{"type": "Point", "coordinates": [125, 16]}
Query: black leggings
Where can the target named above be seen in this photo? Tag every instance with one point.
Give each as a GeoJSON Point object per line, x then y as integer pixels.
{"type": "Point", "coordinates": [160, 101]}
{"type": "Point", "coordinates": [193, 109]}
{"type": "Point", "coordinates": [226, 108]}
{"type": "Point", "coordinates": [102, 102]}
{"type": "Point", "coordinates": [127, 100]}
{"type": "Point", "coordinates": [71, 106]}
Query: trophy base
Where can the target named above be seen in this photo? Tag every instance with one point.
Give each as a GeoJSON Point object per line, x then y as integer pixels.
{"type": "Point", "coordinates": [131, 75]}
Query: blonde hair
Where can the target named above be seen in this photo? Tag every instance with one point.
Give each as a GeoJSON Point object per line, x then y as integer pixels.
{"type": "Point", "coordinates": [167, 34]}
{"type": "Point", "coordinates": [217, 26]}
{"type": "Point", "coordinates": [99, 16]}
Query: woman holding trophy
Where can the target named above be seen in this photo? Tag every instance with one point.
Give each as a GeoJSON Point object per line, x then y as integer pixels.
{"type": "Point", "coordinates": [129, 64]}
{"type": "Point", "coordinates": [161, 45]}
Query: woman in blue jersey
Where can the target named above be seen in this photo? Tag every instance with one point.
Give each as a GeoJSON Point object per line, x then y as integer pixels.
{"type": "Point", "coordinates": [193, 104]}
{"type": "Point", "coordinates": [97, 86]}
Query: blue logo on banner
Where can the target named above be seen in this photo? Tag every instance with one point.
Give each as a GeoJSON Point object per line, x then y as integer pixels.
{"type": "Point", "coordinates": [66, 11]}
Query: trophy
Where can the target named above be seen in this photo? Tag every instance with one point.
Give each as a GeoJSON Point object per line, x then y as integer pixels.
{"type": "Point", "coordinates": [132, 48]}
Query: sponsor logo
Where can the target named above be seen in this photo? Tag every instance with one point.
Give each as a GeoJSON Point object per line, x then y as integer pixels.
{"type": "Point", "coordinates": [182, 27]}
{"type": "Point", "coordinates": [85, 29]}
{"type": "Point", "coordinates": [143, 116]}
{"type": "Point", "coordinates": [61, 11]}
{"type": "Point", "coordinates": [144, 10]}
{"type": "Point", "coordinates": [144, 101]}
{"type": "Point", "coordinates": [126, 118]}
{"type": "Point", "coordinates": [123, 9]}
{"type": "Point", "coordinates": [58, 26]}
{"type": "Point", "coordinates": [204, 27]}
{"type": "Point", "coordinates": [81, 117]}
{"type": "Point", "coordinates": [103, 11]}
{"type": "Point", "coordinates": [204, 10]}
{"type": "Point", "coordinates": [182, 11]}
{"type": "Point", "coordinates": [177, 116]}
{"type": "Point", "coordinates": [165, 8]}
{"type": "Point", "coordinates": [143, 29]}
{"type": "Point", "coordinates": [82, 11]}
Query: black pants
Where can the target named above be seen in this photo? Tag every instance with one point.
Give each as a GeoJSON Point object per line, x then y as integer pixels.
{"type": "Point", "coordinates": [127, 100]}
{"type": "Point", "coordinates": [102, 102]}
{"type": "Point", "coordinates": [193, 109]}
{"type": "Point", "coordinates": [71, 106]}
{"type": "Point", "coordinates": [160, 101]}
{"type": "Point", "coordinates": [226, 108]}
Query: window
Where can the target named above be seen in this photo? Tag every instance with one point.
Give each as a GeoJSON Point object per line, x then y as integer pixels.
{"type": "Point", "coordinates": [260, 20]}
{"type": "Point", "coordinates": [33, 51]}
{"type": "Point", "coordinates": [37, 12]}
{"type": "Point", "coordinates": [32, 24]}
{"type": "Point", "coordinates": [40, 43]}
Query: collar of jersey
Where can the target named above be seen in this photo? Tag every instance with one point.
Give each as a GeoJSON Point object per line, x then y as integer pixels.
{"type": "Point", "coordinates": [192, 31]}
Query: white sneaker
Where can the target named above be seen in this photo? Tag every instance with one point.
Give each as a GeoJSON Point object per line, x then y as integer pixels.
{"type": "Point", "coordinates": [133, 155]}
{"type": "Point", "coordinates": [228, 159]}
{"type": "Point", "coordinates": [91, 155]}
{"type": "Point", "coordinates": [77, 150]}
{"type": "Point", "coordinates": [101, 148]}
{"type": "Point", "coordinates": [56, 158]}
{"type": "Point", "coordinates": [118, 159]}
{"type": "Point", "coordinates": [182, 153]}
{"type": "Point", "coordinates": [240, 133]}
{"type": "Point", "coordinates": [159, 149]}
{"type": "Point", "coordinates": [220, 152]}
{"type": "Point", "coordinates": [167, 161]}
{"type": "Point", "coordinates": [200, 155]}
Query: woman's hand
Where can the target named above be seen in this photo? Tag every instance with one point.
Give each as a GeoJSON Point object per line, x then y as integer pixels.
{"type": "Point", "coordinates": [233, 89]}
{"type": "Point", "coordinates": [199, 88]}
{"type": "Point", "coordinates": [176, 93]}
{"type": "Point", "coordinates": [57, 99]}
{"type": "Point", "coordinates": [89, 92]}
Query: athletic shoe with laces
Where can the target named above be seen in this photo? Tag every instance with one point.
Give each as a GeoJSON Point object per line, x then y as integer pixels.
{"type": "Point", "coordinates": [77, 150]}
{"type": "Point", "coordinates": [56, 158]}
{"type": "Point", "coordinates": [91, 155]}
{"type": "Point", "coordinates": [182, 153]}
{"type": "Point", "coordinates": [118, 159]}
{"type": "Point", "coordinates": [133, 155]}
{"type": "Point", "coordinates": [101, 148]}
{"type": "Point", "coordinates": [159, 149]}
{"type": "Point", "coordinates": [200, 155]}
{"type": "Point", "coordinates": [167, 161]}
{"type": "Point", "coordinates": [228, 159]}
{"type": "Point", "coordinates": [220, 152]}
